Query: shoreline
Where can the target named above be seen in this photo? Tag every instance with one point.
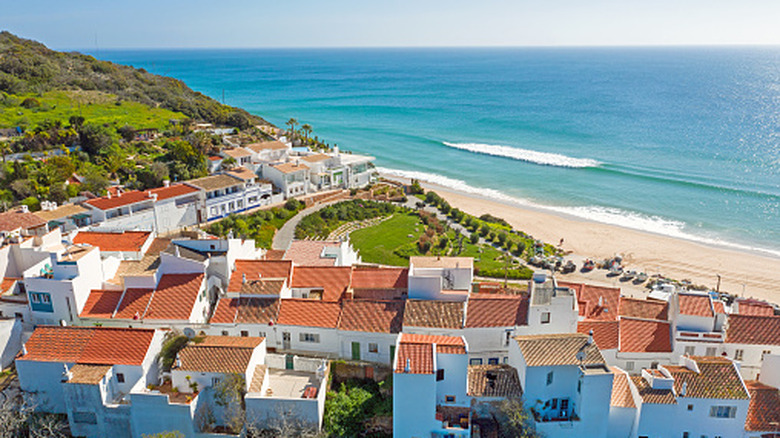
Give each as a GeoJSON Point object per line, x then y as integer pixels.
{"type": "Point", "coordinates": [652, 253]}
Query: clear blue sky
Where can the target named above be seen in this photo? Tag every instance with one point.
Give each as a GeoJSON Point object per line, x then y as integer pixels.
{"type": "Point", "coordinates": [85, 24]}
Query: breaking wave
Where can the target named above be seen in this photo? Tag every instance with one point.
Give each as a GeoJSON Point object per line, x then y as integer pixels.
{"type": "Point", "coordinates": [527, 155]}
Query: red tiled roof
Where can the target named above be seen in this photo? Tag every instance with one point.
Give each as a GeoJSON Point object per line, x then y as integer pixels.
{"type": "Point", "coordinates": [101, 304]}
{"type": "Point", "coordinates": [135, 196]}
{"type": "Point", "coordinates": [173, 191]}
{"type": "Point", "coordinates": [134, 304]}
{"type": "Point", "coordinates": [653, 396]}
{"type": "Point", "coordinates": [219, 354]}
{"type": "Point", "coordinates": [91, 345]}
{"type": "Point", "coordinates": [175, 296]}
{"type": "Point", "coordinates": [257, 269]}
{"type": "Point", "coordinates": [16, 219]}
{"type": "Point", "coordinates": [757, 330]}
{"type": "Point", "coordinates": [764, 409]}
{"type": "Point", "coordinates": [588, 299]}
{"type": "Point", "coordinates": [380, 278]}
{"type": "Point", "coordinates": [646, 309]}
{"type": "Point", "coordinates": [434, 313]}
{"type": "Point", "coordinates": [755, 308]}
{"type": "Point", "coordinates": [419, 357]}
{"type": "Point", "coordinates": [695, 305]}
{"type": "Point", "coordinates": [645, 336]}
{"type": "Point", "coordinates": [7, 284]}
{"type": "Point", "coordinates": [333, 280]}
{"type": "Point", "coordinates": [309, 253]}
{"type": "Point", "coordinates": [497, 311]}
{"type": "Point", "coordinates": [558, 349]}
{"type": "Point", "coordinates": [621, 390]}
{"type": "Point", "coordinates": [231, 341]}
{"type": "Point", "coordinates": [309, 313]}
{"type": "Point", "coordinates": [274, 254]}
{"type": "Point", "coordinates": [246, 310]}
{"type": "Point", "coordinates": [128, 241]}
{"type": "Point", "coordinates": [444, 344]}
{"type": "Point", "coordinates": [606, 334]}
{"type": "Point", "coordinates": [372, 316]}
{"type": "Point", "coordinates": [717, 378]}
{"type": "Point", "coordinates": [718, 307]}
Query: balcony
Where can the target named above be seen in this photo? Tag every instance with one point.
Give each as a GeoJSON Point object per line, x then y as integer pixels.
{"type": "Point", "coordinates": [700, 336]}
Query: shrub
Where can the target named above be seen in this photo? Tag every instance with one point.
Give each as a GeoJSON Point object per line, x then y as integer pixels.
{"type": "Point", "coordinates": [474, 238]}
{"type": "Point", "coordinates": [30, 103]}
{"type": "Point", "coordinates": [293, 204]}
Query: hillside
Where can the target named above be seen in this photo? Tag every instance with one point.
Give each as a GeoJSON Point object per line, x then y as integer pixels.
{"type": "Point", "coordinates": [29, 67]}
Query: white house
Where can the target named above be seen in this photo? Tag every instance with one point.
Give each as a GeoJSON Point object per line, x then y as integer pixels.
{"type": "Point", "coordinates": [229, 193]}
{"type": "Point", "coordinates": [749, 339]}
{"type": "Point", "coordinates": [430, 385]}
{"type": "Point", "coordinates": [491, 322]}
{"type": "Point", "coordinates": [631, 343]}
{"type": "Point", "coordinates": [705, 396]}
{"type": "Point", "coordinates": [763, 416]}
{"type": "Point", "coordinates": [272, 151]}
{"type": "Point", "coordinates": [322, 253]}
{"type": "Point", "coordinates": [308, 326]}
{"type": "Point", "coordinates": [124, 245]}
{"type": "Point", "coordinates": [440, 278]}
{"type": "Point", "coordinates": [567, 385]}
{"type": "Point", "coordinates": [292, 178]}
{"type": "Point", "coordinates": [242, 156]}
{"type": "Point", "coordinates": [66, 217]}
{"type": "Point", "coordinates": [368, 329]}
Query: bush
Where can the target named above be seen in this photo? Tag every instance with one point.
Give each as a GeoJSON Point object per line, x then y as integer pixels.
{"type": "Point", "coordinates": [30, 103]}
{"type": "Point", "coordinates": [171, 348]}
{"type": "Point", "coordinates": [521, 273]}
{"type": "Point", "coordinates": [474, 238]}
{"type": "Point", "coordinates": [32, 203]}
{"type": "Point", "coordinates": [322, 223]}
{"type": "Point", "coordinates": [293, 204]}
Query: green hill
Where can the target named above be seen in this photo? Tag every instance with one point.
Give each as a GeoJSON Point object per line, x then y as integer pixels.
{"type": "Point", "coordinates": [30, 68]}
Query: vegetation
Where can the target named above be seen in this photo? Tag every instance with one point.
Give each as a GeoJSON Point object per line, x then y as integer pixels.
{"type": "Point", "coordinates": [348, 409]}
{"type": "Point", "coordinates": [174, 342]}
{"type": "Point", "coordinates": [259, 226]}
{"type": "Point", "coordinates": [378, 244]}
{"type": "Point", "coordinates": [326, 220]}
{"type": "Point", "coordinates": [30, 67]}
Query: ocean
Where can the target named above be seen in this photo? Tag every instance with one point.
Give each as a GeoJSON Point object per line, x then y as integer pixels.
{"type": "Point", "coordinates": [683, 142]}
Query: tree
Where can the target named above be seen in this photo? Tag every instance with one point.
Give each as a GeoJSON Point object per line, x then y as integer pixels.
{"type": "Point", "coordinates": [5, 149]}
{"type": "Point", "coordinates": [95, 138]}
{"type": "Point", "coordinates": [229, 163]}
{"type": "Point", "coordinates": [22, 188]}
{"type": "Point", "coordinates": [152, 176]}
{"type": "Point", "coordinates": [474, 238]}
{"type": "Point", "coordinates": [127, 132]}
{"type": "Point", "coordinates": [19, 419]}
{"type": "Point", "coordinates": [75, 121]}
{"type": "Point", "coordinates": [229, 394]}
{"type": "Point", "coordinates": [513, 419]}
{"type": "Point", "coordinates": [166, 434]}
{"type": "Point", "coordinates": [306, 128]}
{"type": "Point", "coordinates": [94, 180]}
{"type": "Point", "coordinates": [292, 123]}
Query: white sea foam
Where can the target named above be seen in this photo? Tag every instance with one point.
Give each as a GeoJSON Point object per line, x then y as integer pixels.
{"type": "Point", "coordinates": [606, 215]}
{"type": "Point", "coordinates": [531, 156]}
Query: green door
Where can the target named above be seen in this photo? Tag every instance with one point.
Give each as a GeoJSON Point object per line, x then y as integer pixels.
{"type": "Point", "coordinates": [289, 362]}
{"type": "Point", "coordinates": [356, 351]}
{"type": "Point", "coordinates": [392, 354]}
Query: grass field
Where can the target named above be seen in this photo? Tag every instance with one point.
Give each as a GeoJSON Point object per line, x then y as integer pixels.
{"type": "Point", "coordinates": [376, 244]}
{"type": "Point", "coordinates": [95, 106]}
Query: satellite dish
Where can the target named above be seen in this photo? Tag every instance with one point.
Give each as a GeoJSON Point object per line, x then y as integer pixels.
{"type": "Point", "coordinates": [189, 333]}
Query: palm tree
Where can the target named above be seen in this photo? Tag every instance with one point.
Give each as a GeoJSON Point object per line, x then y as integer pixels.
{"type": "Point", "coordinates": [5, 148]}
{"type": "Point", "coordinates": [306, 128]}
{"type": "Point", "coordinates": [292, 123]}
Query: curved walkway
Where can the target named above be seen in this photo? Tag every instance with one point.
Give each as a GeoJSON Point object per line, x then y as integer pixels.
{"type": "Point", "coordinates": [285, 235]}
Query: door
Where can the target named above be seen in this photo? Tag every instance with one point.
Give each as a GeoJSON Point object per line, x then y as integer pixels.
{"type": "Point", "coordinates": [356, 351]}
{"type": "Point", "coordinates": [392, 354]}
{"type": "Point", "coordinates": [286, 340]}
{"type": "Point", "coordinates": [289, 363]}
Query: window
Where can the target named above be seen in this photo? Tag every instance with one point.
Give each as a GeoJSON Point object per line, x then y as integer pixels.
{"type": "Point", "coordinates": [449, 398]}
{"type": "Point", "coordinates": [215, 381]}
{"type": "Point", "coordinates": [545, 317]}
{"type": "Point", "coordinates": [711, 351]}
{"type": "Point", "coordinates": [738, 354]}
{"type": "Point", "coordinates": [475, 361]}
{"type": "Point", "coordinates": [120, 377]}
{"type": "Point", "coordinates": [440, 375]}
{"type": "Point", "coordinates": [690, 350]}
{"type": "Point", "coordinates": [507, 337]}
{"type": "Point", "coordinates": [310, 337]}
{"type": "Point", "coordinates": [224, 332]}
{"type": "Point", "coordinates": [549, 378]}
{"type": "Point", "coordinates": [240, 203]}
{"type": "Point", "coordinates": [686, 434]}
{"type": "Point", "coordinates": [764, 353]}
{"type": "Point", "coordinates": [579, 386]}
{"type": "Point", "coordinates": [654, 365]}
{"type": "Point", "coordinates": [506, 359]}
{"type": "Point", "coordinates": [690, 407]}
{"type": "Point", "coordinates": [493, 361]}
{"type": "Point", "coordinates": [629, 366]}
{"type": "Point", "coordinates": [261, 334]}
{"type": "Point", "coordinates": [244, 333]}
{"type": "Point", "coordinates": [373, 348]}
{"type": "Point", "coordinates": [564, 404]}
{"type": "Point", "coordinates": [723, 411]}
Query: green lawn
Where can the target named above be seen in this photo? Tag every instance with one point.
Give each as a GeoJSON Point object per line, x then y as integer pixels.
{"type": "Point", "coordinates": [376, 244]}
{"type": "Point", "coordinates": [96, 107]}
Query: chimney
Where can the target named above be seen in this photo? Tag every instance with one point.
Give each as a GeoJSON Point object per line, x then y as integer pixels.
{"type": "Point", "coordinates": [108, 195]}
{"type": "Point", "coordinates": [684, 389]}
{"type": "Point", "coordinates": [243, 278]}
{"type": "Point", "coordinates": [601, 301]}
{"type": "Point", "coordinates": [24, 349]}
{"type": "Point", "coordinates": [590, 337]}
{"type": "Point", "coordinates": [118, 193]}
{"type": "Point", "coordinates": [166, 183]}
{"type": "Point", "coordinates": [408, 367]}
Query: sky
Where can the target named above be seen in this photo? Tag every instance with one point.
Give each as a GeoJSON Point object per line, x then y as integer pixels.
{"type": "Point", "coordinates": [107, 24]}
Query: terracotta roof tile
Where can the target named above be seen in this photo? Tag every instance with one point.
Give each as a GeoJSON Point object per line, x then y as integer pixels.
{"type": "Point", "coordinates": [646, 309]}
{"type": "Point", "coordinates": [444, 344]}
{"type": "Point", "coordinates": [333, 280]}
{"type": "Point", "coordinates": [91, 345]}
{"type": "Point", "coordinates": [717, 378]}
{"type": "Point", "coordinates": [61, 212]}
{"type": "Point", "coordinates": [173, 191]}
{"type": "Point", "coordinates": [257, 269]}
{"type": "Point", "coordinates": [127, 241]}
{"type": "Point", "coordinates": [87, 374]}
{"type": "Point", "coordinates": [274, 254]}
{"type": "Point", "coordinates": [175, 297]}
{"type": "Point", "coordinates": [242, 173]}
{"type": "Point", "coordinates": [755, 308]}
{"type": "Point", "coordinates": [436, 314]}
{"type": "Point", "coordinates": [257, 310]}
{"type": "Point", "coordinates": [606, 334]}
{"type": "Point", "coordinates": [257, 379]}
{"type": "Point", "coordinates": [313, 158]}
{"type": "Point", "coordinates": [226, 354]}
{"type": "Point", "coordinates": [756, 330]}
{"type": "Point", "coordinates": [309, 253]}
{"type": "Point", "coordinates": [215, 182]}
{"type": "Point", "coordinates": [764, 410]}
{"type": "Point", "coordinates": [7, 284]}
{"type": "Point", "coordinates": [16, 219]}
{"type": "Point", "coordinates": [290, 167]}
{"type": "Point", "coordinates": [589, 296]}
{"type": "Point", "coordinates": [309, 313]}
{"type": "Point", "coordinates": [695, 305]}
{"type": "Point", "coordinates": [718, 307]}
{"type": "Point", "coordinates": [380, 278]}
{"type": "Point", "coordinates": [236, 152]}
{"type": "Point", "coordinates": [419, 358]}
{"type": "Point", "coordinates": [441, 262]}
{"type": "Point", "coordinates": [134, 304]}
{"type": "Point", "coordinates": [621, 390]}
{"type": "Point", "coordinates": [372, 316]}
{"type": "Point", "coordinates": [225, 311]}
{"type": "Point", "coordinates": [493, 381]}
{"type": "Point", "coordinates": [135, 196]}
{"type": "Point", "coordinates": [101, 304]}
{"type": "Point", "coordinates": [645, 336]}
{"type": "Point", "coordinates": [558, 349]}
{"type": "Point", "coordinates": [262, 287]}
{"type": "Point", "coordinates": [497, 311]}
{"type": "Point", "coordinates": [266, 145]}
{"type": "Point", "coordinates": [653, 396]}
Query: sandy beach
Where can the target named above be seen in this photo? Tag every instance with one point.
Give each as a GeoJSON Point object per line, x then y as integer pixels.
{"type": "Point", "coordinates": [757, 275]}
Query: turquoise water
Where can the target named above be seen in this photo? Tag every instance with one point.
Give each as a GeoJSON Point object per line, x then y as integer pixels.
{"type": "Point", "coordinates": [684, 142]}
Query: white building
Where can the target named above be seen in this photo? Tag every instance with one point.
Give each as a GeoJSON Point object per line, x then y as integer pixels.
{"type": "Point", "coordinates": [229, 193]}
{"type": "Point", "coordinates": [272, 151]}
{"type": "Point", "coordinates": [440, 278]}
{"type": "Point", "coordinates": [566, 383]}
{"type": "Point", "coordinates": [124, 245]}
{"type": "Point", "coordinates": [66, 217]}
{"type": "Point", "coordinates": [292, 178]}
{"type": "Point", "coordinates": [322, 253]}
{"type": "Point", "coordinates": [368, 329]}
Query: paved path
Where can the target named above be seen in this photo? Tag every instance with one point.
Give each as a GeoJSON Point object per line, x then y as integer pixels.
{"type": "Point", "coordinates": [286, 234]}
